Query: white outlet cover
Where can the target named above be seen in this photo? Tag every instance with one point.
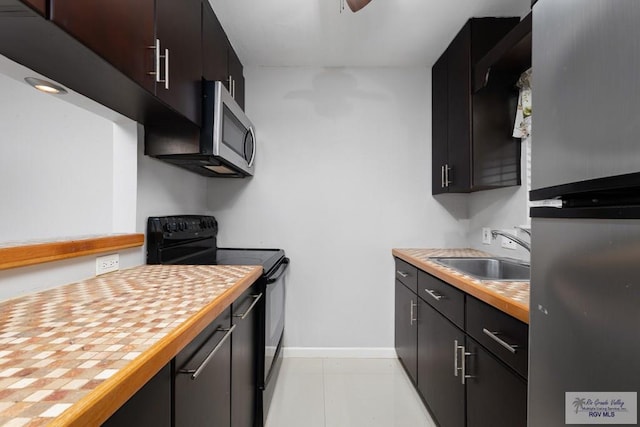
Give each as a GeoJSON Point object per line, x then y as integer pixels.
{"type": "Point", "coordinates": [107, 264]}
{"type": "Point", "coordinates": [486, 236]}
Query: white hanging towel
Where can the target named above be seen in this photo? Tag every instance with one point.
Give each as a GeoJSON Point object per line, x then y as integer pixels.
{"type": "Point", "coordinates": [522, 127]}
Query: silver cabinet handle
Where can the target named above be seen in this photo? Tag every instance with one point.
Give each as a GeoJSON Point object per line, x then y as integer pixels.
{"type": "Point", "coordinates": [253, 135]}
{"type": "Point", "coordinates": [442, 176]}
{"type": "Point", "coordinates": [446, 175]}
{"type": "Point", "coordinates": [402, 273]}
{"type": "Point", "coordinates": [413, 304]}
{"type": "Point", "coordinates": [463, 367]}
{"type": "Point", "coordinates": [230, 80]}
{"type": "Point", "coordinates": [156, 55]}
{"type": "Point", "coordinates": [433, 294]}
{"type": "Point", "coordinates": [166, 69]}
{"type": "Point", "coordinates": [195, 373]}
{"type": "Point", "coordinates": [455, 358]}
{"type": "Point", "coordinates": [244, 315]}
{"type": "Point", "coordinates": [494, 336]}
{"type": "Point", "coordinates": [233, 87]}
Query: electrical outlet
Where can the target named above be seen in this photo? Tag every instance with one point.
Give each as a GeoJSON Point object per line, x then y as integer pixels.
{"type": "Point", "coordinates": [486, 236]}
{"type": "Point", "coordinates": [107, 264]}
{"type": "Point", "coordinates": [508, 243]}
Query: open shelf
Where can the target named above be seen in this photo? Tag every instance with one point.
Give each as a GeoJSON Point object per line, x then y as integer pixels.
{"type": "Point", "coordinates": [511, 55]}
{"type": "Point", "coordinates": [20, 254]}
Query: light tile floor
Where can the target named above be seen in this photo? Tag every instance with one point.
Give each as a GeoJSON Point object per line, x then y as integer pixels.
{"type": "Point", "coordinates": [345, 393]}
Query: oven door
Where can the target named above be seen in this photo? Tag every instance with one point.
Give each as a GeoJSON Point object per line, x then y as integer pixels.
{"type": "Point", "coordinates": [274, 319]}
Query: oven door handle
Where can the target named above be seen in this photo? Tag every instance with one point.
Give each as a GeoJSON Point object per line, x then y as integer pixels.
{"type": "Point", "coordinates": [285, 264]}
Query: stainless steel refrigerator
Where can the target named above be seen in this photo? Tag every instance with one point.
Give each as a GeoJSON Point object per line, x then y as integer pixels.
{"type": "Point", "coordinates": [585, 283]}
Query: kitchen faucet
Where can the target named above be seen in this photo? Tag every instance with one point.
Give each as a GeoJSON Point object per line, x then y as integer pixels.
{"type": "Point", "coordinates": [526, 245]}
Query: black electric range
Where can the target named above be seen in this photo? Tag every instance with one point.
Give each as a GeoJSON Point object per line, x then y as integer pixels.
{"type": "Point", "coordinates": [192, 240]}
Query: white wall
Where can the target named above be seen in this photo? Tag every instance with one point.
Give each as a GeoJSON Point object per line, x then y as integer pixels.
{"type": "Point", "coordinates": [56, 162]}
{"type": "Point", "coordinates": [502, 209]}
{"type": "Point", "coordinates": [165, 189]}
{"type": "Point", "coordinates": [70, 167]}
{"type": "Point", "coordinates": [342, 176]}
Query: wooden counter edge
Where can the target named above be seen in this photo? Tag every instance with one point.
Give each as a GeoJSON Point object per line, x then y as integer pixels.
{"type": "Point", "coordinates": [39, 253]}
{"type": "Point", "coordinates": [97, 406]}
{"type": "Point", "coordinates": [506, 305]}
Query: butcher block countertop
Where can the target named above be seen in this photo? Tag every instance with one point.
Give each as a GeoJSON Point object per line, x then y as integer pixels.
{"type": "Point", "coordinates": [510, 297]}
{"type": "Point", "coordinates": [74, 354]}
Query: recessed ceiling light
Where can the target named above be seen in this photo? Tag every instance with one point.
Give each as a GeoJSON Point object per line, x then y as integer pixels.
{"type": "Point", "coordinates": [45, 86]}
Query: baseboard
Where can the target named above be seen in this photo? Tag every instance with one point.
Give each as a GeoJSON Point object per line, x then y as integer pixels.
{"type": "Point", "coordinates": [341, 352]}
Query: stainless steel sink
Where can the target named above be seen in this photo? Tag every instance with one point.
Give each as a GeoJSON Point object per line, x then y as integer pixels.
{"type": "Point", "coordinates": [498, 269]}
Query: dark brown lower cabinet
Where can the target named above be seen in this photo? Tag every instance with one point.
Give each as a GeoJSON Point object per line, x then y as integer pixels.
{"type": "Point", "coordinates": [406, 329]}
{"type": "Point", "coordinates": [212, 382]}
{"type": "Point", "coordinates": [439, 381]}
{"type": "Point", "coordinates": [149, 407]}
{"type": "Point", "coordinates": [202, 377]}
{"type": "Point", "coordinates": [463, 382]}
{"type": "Point", "coordinates": [496, 396]}
{"type": "Point", "coordinates": [244, 378]}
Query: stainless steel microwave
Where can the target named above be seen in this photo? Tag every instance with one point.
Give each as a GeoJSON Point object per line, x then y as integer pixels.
{"type": "Point", "coordinates": [227, 133]}
{"type": "Point", "coordinates": [224, 146]}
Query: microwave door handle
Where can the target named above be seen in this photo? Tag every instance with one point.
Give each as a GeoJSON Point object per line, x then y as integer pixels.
{"type": "Point", "coordinates": [253, 153]}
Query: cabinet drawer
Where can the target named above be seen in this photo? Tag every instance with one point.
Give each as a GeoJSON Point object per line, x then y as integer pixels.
{"type": "Point", "coordinates": [504, 336]}
{"type": "Point", "coordinates": [443, 297]}
{"type": "Point", "coordinates": [407, 274]}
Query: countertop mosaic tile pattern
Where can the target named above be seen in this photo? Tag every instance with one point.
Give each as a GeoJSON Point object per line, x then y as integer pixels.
{"type": "Point", "coordinates": [515, 291]}
{"type": "Point", "coordinates": [58, 345]}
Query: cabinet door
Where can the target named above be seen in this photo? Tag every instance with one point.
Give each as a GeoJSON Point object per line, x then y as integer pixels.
{"type": "Point", "coordinates": [496, 395]}
{"type": "Point", "coordinates": [459, 111]}
{"type": "Point", "coordinates": [39, 5]}
{"type": "Point", "coordinates": [441, 389]}
{"type": "Point", "coordinates": [120, 31]}
{"type": "Point", "coordinates": [244, 380]}
{"type": "Point", "coordinates": [214, 47]}
{"type": "Point", "coordinates": [236, 73]}
{"type": "Point", "coordinates": [178, 29]}
{"type": "Point", "coordinates": [149, 407]}
{"type": "Point", "coordinates": [406, 329]}
{"type": "Point", "coordinates": [440, 112]}
{"type": "Point", "coordinates": [206, 400]}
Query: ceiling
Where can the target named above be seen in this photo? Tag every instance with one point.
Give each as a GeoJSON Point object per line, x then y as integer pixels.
{"type": "Point", "coordinates": [386, 33]}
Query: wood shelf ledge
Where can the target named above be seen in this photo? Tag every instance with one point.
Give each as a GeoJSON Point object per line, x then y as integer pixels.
{"type": "Point", "coordinates": [14, 255]}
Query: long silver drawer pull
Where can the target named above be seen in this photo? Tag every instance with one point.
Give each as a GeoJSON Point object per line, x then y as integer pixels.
{"type": "Point", "coordinates": [494, 336]}
{"type": "Point", "coordinates": [196, 372]}
{"type": "Point", "coordinates": [253, 304]}
{"type": "Point", "coordinates": [402, 273]}
{"type": "Point", "coordinates": [432, 293]}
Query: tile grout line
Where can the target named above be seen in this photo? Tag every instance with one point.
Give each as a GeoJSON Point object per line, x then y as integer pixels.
{"type": "Point", "coordinates": [324, 394]}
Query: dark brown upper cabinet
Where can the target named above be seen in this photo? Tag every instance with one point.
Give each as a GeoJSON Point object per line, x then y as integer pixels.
{"type": "Point", "coordinates": [220, 61]}
{"type": "Point", "coordinates": [472, 147]}
{"type": "Point", "coordinates": [120, 31]}
{"type": "Point", "coordinates": [38, 5]}
{"type": "Point", "coordinates": [154, 42]}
